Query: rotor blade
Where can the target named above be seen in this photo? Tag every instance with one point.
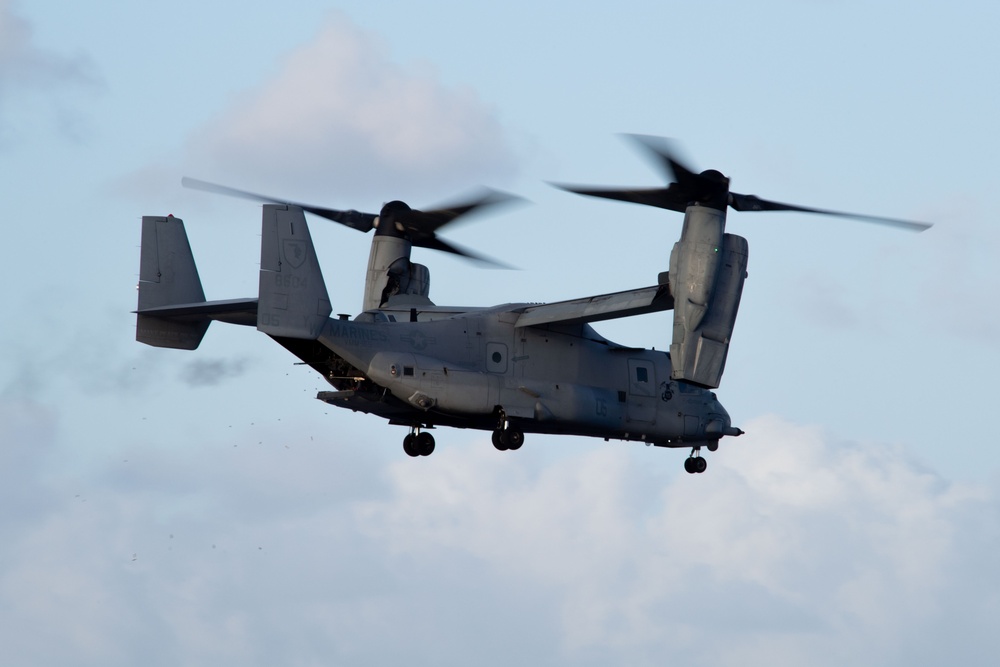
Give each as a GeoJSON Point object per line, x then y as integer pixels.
{"type": "Point", "coordinates": [668, 198]}
{"type": "Point", "coordinates": [753, 203]}
{"type": "Point", "coordinates": [428, 222]}
{"type": "Point", "coordinates": [363, 222]}
{"type": "Point", "coordinates": [686, 186]}
{"type": "Point", "coordinates": [434, 243]}
{"type": "Point", "coordinates": [667, 157]}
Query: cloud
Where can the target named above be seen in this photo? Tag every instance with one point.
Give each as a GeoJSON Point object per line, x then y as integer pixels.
{"type": "Point", "coordinates": [341, 118]}
{"type": "Point", "coordinates": [24, 67]}
{"type": "Point", "coordinates": [789, 550]}
{"type": "Point", "coordinates": [819, 552]}
{"type": "Point", "coordinates": [24, 64]}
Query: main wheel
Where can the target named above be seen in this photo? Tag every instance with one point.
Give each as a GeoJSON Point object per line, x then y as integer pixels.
{"type": "Point", "coordinates": [499, 441]}
{"type": "Point", "coordinates": [513, 438]}
{"type": "Point", "coordinates": [410, 445]}
{"type": "Point", "coordinates": [700, 465]}
{"type": "Point", "coordinates": [424, 444]}
{"type": "Point", "coordinates": [689, 464]}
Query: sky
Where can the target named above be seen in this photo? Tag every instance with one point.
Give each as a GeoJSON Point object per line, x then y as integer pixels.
{"type": "Point", "coordinates": [202, 507]}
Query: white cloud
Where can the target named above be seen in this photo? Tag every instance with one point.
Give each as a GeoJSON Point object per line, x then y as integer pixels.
{"type": "Point", "coordinates": [788, 542]}
{"type": "Point", "coordinates": [340, 119]}
{"type": "Point", "coordinates": [789, 550]}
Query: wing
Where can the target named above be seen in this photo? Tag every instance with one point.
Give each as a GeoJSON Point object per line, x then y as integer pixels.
{"type": "Point", "coordinates": [602, 307]}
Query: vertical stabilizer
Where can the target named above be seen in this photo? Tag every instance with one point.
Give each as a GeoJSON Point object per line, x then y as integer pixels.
{"type": "Point", "coordinates": [293, 301]}
{"type": "Point", "coordinates": [168, 277]}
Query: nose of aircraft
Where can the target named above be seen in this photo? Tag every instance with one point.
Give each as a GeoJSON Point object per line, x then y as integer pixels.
{"type": "Point", "coordinates": [720, 424]}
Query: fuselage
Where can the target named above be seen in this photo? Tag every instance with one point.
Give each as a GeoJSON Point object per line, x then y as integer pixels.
{"type": "Point", "coordinates": [470, 367]}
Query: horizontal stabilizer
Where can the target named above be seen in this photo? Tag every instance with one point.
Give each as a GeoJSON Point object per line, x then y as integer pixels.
{"type": "Point", "coordinates": [178, 335]}
{"type": "Point", "coordinates": [597, 308]}
{"type": "Point", "coordinates": [231, 311]}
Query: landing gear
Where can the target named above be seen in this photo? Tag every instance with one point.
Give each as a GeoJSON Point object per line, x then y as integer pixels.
{"type": "Point", "coordinates": [695, 463]}
{"type": "Point", "coordinates": [418, 443]}
{"type": "Point", "coordinates": [506, 437]}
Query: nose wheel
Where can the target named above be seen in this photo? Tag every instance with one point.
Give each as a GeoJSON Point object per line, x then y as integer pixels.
{"type": "Point", "coordinates": [418, 443]}
{"type": "Point", "coordinates": [695, 464]}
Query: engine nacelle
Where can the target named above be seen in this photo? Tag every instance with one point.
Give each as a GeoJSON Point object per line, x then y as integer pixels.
{"type": "Point", "coordinates": [391, 273]}
{"type": "Point", "coordinates": [694, 264]}
{"type": "Point", "coordinates": [707, 271]}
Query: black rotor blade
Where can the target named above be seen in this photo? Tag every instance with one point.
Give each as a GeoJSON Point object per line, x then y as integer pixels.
{"type": "Point", "coordinates": [708, 188]}
{"type": "Point", "coordinates": [363, 222]}
{"type": "Point", "coordinates": [428, 222]}
{"type": "Point", "coordinates": [421, 226]}
{"type": "Point", "coordinates": [434, 243]}
{"type": "Point", "coordinates": [667, 157]}
{"type": "Point", "coordinates": [668, 198]}
{"type": "Point", "coordinates": [686, 187]}
{"type": "Point", "coordinates": [754, 203]}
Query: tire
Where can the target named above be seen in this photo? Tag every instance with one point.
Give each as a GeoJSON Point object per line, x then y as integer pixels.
{"type": "Point", "coordinates": [425, 444]}
{"type": "Point", "coordinates": [410, 446]}
{"type": "Point", "coordinates": [499, 441]}
{"type": "Point", "coordinates": [513, 438]}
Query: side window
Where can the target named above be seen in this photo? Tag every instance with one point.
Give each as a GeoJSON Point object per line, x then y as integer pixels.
{"type": "Point", "coordinates": [642, 377]}
{"type": "Point", "coordinates": [496, 357]}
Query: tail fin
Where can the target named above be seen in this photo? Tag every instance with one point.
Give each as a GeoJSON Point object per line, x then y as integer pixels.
{"type": "Point", "coordinates": [292, 301]}
{"type": "Point", "coordinates": [168, 277]}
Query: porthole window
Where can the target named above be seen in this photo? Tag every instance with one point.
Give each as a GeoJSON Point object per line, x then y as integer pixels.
{"type": "Point", "coordinates": [496, 358]}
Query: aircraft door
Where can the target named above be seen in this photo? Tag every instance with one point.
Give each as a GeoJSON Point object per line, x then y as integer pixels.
{"type": "Point", "coordinates": [641, 390]}
{"type": "Point", "coordinates": [474, 339]}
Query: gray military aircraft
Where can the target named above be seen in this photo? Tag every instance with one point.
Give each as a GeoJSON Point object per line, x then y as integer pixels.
{"type": "Point", "coordinates": [510, 369]}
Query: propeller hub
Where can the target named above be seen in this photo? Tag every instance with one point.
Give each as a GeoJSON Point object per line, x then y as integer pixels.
{"type": "Point", "coordinates": [394, 209]}
{"type": "Point", "coordinates": [711, 190]}
{"type": "Point", "coordinates": [391, 219]}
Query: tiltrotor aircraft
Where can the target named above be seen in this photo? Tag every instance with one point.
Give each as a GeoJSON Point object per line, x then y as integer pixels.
{"type": "Point", "coordinates": [510, 369]}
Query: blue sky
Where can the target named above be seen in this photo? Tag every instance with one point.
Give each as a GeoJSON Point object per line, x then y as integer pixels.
{"type": "Point", "coordinates": [203, 507]}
